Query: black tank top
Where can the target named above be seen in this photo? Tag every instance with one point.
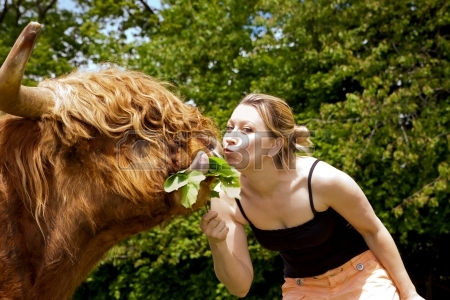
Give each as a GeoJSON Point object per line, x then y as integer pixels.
{"type": "Point", "coordinates": [310, 249]}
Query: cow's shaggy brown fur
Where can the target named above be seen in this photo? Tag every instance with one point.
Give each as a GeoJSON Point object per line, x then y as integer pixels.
{"type": "Point", "coordinates": [89, 174]}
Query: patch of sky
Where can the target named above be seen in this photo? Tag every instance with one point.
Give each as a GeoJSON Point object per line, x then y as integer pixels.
{"type": "Point", "coordinates": [258, 31]}
{"type": "Point", "coordinates": [243, 53]}
{"type": "Point", "coordinates": [412, 6]}
{"type": "Point", "coordinates": [191, 102]}
{"type": "Point", "coordinates": [277, 33]}
{"type": "Point", "coordinates": [72, 5]}
{"type": "Point", "coordinates": [211, 64]}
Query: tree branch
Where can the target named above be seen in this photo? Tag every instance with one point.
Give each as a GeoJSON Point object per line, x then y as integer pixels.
{"type": "Point", "coordinates": [49, 6]}
{"type": "Point", "coordinates": [43, 12]}
{"type": "Point", "coordinates": [410, 198]}
{"type": "Point", "coordinates": [38, 4]}
{"type": "Point", "coordinates": [17, 9]}
{"type": "Point", "coordinates": [439, 135]}
{"type": "Point", "coordinates": [423, 99]}
{"type": "Point", "coordinates": [435, 137]}
{"type": "Point", "coordinates": [405, 136]}
{"type": "Point", "coordinates": [372, 133]}
{"type": "Point", "coordinates": [5, 10]}
{"type": "Point", "coordinates": [395, 48]}
{"type": "Point", "coordinates": [370, 138]}
{"type": "Point", "coordinates": [147, 7]}
{"type": "Point", "coordinates": [336, 121]}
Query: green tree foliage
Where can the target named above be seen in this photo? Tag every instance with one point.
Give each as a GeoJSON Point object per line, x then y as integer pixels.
{"type": "Point", "coordinates": [198, 46]}
{"type": "Point", "coordinates": [369, 78]}
{"type": "Point", "coordinates": [59, 44]}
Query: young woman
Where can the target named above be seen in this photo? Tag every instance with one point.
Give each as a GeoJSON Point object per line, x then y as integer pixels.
{"type": "Point", "coordinates": [332, 243]}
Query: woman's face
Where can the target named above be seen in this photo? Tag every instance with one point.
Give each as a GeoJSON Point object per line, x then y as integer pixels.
{"type": "Point", "coordinates": [247, 140]}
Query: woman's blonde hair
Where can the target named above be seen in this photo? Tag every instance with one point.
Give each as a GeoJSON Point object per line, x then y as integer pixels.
{"type": "Point", "coordinates": [278, 117]}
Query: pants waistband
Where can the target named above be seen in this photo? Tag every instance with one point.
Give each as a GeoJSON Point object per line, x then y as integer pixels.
{"type": "Point", "coordinates": [358, 259]}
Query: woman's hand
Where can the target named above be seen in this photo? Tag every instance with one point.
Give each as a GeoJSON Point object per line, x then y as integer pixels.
{"type": "Point", "coordinates": [214, 227]}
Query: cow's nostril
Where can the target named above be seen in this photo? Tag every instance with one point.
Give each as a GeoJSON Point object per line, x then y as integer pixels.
{"type": "Point", "coordinates": [200, 163]}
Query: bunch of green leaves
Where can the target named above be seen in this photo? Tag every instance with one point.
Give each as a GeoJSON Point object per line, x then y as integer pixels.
{"type": "Point", "coordinates": [189, 182]}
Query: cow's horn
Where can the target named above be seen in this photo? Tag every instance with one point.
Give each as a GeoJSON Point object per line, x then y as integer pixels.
{"type": "Point", "coordinates": [15, 99]}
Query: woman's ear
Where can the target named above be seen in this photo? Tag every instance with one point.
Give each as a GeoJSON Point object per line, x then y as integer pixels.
{"type": "Point", "coordinates": [276, 148]}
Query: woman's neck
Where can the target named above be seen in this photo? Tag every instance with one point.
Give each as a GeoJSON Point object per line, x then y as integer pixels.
{"type": "Point", "coordinates": [265, 181]}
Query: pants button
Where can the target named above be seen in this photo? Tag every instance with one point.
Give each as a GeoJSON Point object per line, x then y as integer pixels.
{"type": "Point", "coordinates": [359, 267]}
{"type": "Point", "coordinates": [299, 281]}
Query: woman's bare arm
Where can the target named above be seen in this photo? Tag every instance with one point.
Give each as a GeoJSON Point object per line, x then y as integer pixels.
{"type": "Point", "coordinates": [336, 189]}
{"type": "Point", "coordinates": [228, 242]}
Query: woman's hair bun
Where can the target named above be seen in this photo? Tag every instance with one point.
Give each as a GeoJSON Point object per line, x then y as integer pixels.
{"type": "Point", "coordinates": [301, 138]}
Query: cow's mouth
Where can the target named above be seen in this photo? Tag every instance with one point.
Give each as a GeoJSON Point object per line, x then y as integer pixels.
{"type": "Point", "coordinates": [202, 167]}
{"type": "Point", "coordinates": [201, 161]}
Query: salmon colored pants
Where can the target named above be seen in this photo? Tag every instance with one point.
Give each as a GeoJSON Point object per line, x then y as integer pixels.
{"type": "Point", "coordinates": [363, 277]}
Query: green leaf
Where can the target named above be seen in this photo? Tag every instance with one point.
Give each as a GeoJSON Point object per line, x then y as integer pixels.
{"type": "Point", "coordinates": [175, 181]}
{"type": "Point", "coordinates": [230, 181]}
{"type": "Point", "coordinates": [190, 182]}
{"type": "Point", "coordinates": [195, 177]}
{"type": "Point", "coordinates": [214, 194]}
{"type": "Point", "coordinates": [189, 194]}
{"type": "Point", "coordinates": [220, 167]}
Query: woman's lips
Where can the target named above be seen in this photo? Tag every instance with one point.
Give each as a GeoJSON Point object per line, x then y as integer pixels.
{"type": "Point", "coordinates": [226, 150]}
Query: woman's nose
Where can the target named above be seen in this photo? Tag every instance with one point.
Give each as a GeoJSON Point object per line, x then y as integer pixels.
{"type": "Point", "coordinates": [229, 140]}
{"type": "Point", "coordinates": [234, 140]}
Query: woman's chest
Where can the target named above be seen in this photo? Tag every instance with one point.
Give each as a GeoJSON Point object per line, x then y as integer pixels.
{"type": "Point", "coordinates": [287, 208]}
{"type": "Point", "coordinates": [305, 236]}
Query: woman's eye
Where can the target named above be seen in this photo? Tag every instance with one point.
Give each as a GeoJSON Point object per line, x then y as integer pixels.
{"type": "Point", "coordinates": [229, 128]}
{"type": "Point", "coordinates": [247, 130]}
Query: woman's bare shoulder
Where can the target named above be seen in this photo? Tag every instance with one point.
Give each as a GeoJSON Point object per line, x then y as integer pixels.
{"type": "Point", "coordinates": [323, 171]}
{"type": "Point", "coordinates": [331, 184]}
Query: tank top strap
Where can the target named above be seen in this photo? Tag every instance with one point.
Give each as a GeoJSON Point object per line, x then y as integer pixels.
{"type": "Point", "coordinates": [242, 210]}
{"type": "Point", "coordinates": [310, 188]}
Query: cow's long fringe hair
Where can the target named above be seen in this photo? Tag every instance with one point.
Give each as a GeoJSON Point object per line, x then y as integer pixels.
{"type": "Point", "coordinates": [89, 141]}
